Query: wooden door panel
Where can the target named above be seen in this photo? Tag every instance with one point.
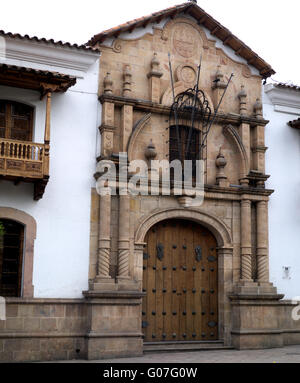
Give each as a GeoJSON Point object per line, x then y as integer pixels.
{"type": "Point", "coordinates": [182, 287]}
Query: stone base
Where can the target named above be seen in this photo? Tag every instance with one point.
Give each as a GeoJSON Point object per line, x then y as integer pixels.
{"type": "Point", "coordinates": [257, 322]}
{"type": "Point", "coordinates": [114, 324]}
{"type": "Point", "coordinates": [255, 288]}
{"type": "Point", "coordinates": [108, 325]}
{"type": "Point", "coordinates": [127, 284]}
{"type": "Point", "coordinates": [103, 284]}
{"type": "Point", "coordinates": [100, 346]}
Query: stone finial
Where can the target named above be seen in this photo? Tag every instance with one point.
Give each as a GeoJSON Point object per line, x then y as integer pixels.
{"type": "Point", "coordinates": [150, 151]}
{"type": "Point", "coordinates": [127, 81]}
{"type": "Point", "coordinates": [108, 83]}
{"type": "Point", "coordinates": [221, 163]}
{"type": "Point", "coordinates": [155, 67]}
{"type": "Point", "coordinates": [219, 79]}
{"type": "Point", "coordinates": [258, 109]}
{"type": "Point", "coordinates": [243, 100]}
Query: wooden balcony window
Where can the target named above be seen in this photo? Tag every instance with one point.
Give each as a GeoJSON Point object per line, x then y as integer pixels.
{"type": "Point", "coordinates": [16, 121]}
{"type": "Point", "coordinates": [20, 158]}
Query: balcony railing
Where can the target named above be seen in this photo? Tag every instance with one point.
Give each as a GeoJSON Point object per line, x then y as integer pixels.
{"type": "Point", "coordinates": [23, 159]}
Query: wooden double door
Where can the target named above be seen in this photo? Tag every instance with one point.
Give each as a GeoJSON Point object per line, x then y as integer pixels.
{"type": "Point", "coordinates": [180, 280]}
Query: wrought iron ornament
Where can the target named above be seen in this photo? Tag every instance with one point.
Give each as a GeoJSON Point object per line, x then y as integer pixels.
{"type": "Point", "coordinates": [190, 110]}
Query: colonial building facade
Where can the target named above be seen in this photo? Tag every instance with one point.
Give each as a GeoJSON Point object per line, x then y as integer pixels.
{"type": "Point", "coordinates": [162, 273]}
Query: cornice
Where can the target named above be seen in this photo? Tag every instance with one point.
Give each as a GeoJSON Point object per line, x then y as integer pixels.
{"type": "Point", "coordinates": [285, 100]}
{"type": "Point", "coordinates": [150, 107]}
{"type": "Point", "coordinates": [37, 53]}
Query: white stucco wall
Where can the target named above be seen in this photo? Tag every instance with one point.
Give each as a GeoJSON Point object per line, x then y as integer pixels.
{"type": "Point", "coordinates": [283, 164]}
{"type": "Point", "coordinates": [61, 253]}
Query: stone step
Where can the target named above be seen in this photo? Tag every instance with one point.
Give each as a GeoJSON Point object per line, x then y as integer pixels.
{"type": "Point", "coordinates": [184, 346]}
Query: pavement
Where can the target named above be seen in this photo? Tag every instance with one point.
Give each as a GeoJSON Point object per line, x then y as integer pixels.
{"type": "Point", "coordinates": [290, 354]}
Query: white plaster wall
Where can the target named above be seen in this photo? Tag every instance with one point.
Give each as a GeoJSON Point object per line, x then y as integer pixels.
{"type": "Point", "coordinates": [283, 164]}
{"type": "Point", "coordinates": [61, 253]}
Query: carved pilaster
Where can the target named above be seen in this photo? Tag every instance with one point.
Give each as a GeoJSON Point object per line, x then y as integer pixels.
{"type": "Point", "coordinates": [154, 79]}
{"type": "Point", "coordinates": [103, 280]}
{"type": "Point", "coordinates": [124, 279]}
{"type": "Point", "coordinates": [246, 250]}
{"type": "Point", "coordinates": [107, 129]}
{"type": "Point", "coordinates": [126, 126]}
{"type": "Point", "coordinates": [262, 242]}
{"type": "Point", "coordinates": [123, 261]}
{"type": "Point", "coordinates": [244, 132]}
{"type": "Point", "coordinates": [259, 149]}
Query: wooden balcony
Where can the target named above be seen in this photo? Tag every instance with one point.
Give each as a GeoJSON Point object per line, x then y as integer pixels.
{"type": "Point", "coordinates": [25, 161]}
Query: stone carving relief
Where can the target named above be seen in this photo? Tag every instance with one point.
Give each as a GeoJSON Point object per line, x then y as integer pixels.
{"type": "Point", "coordinates": [186, 40]}
{"type": "Point", "coordinates": [117, 46]}
{"type": "Point", "coordinates": [185, 35]}
{"type": "Point", "coordinates": [187, 73]}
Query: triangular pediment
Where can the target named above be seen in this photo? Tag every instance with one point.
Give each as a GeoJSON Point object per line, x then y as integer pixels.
{"type": "Point", "coordinates": [203, 19]}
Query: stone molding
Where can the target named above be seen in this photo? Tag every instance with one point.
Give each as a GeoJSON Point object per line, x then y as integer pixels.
{"type": "Point", "coordinates": [284, 100]}
{"type": "Point", "coordinates": [234, 137]}
{"type": "Point", "coordinates": [29, 238]}
{"type": "Point", "coordinates": [213, 223]}
{"type": "Point", "coordinates": [138, 128]}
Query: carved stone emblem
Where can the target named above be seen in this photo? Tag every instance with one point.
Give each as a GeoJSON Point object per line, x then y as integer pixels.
{"type": "Point", "coordinates": [187, 73]}
{"type": "Point", "coordinates": [185, 40]}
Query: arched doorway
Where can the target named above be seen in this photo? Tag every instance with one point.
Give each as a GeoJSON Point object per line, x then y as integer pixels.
{"type": "Point", "coordinates": [11, 257]}
{"type": "Point", "coordinates": [180, 279]}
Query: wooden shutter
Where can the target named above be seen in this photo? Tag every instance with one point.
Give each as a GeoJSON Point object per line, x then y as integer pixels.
{"type": "Point", "coordinates": [16, 121]}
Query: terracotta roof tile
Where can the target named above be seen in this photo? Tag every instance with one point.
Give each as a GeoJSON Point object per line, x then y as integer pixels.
{"type": "Point", "coordinates": [287, 86]}
{"type": "Point", "coordinates": [47, 41]}
{"type": "Point", "coordinates": [208, 21]}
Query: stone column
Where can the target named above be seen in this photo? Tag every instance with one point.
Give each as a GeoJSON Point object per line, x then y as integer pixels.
{"type": "Point", "coordinates": [246, 250]}
{"type": "Point", "coordinates": [262, 242]}
{"type": "Point", "coordinates": [225, 271]}
{"type": "Point", "coordinates": [123, 260]}
{"type": "Point", "coordinates": [103, 280]}
{"type": "Point", "coordinates": [125, 281]}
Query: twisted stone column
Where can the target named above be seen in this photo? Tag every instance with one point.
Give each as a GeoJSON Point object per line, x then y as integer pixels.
{"type": "Point", "coordinates": [246, 250]}
{"type": "Point", "coordinates": [262, 242]}
{"type": "Point", "coordinates": [124, 251]}
{"type": "Point", "coordinates": [103, 261]}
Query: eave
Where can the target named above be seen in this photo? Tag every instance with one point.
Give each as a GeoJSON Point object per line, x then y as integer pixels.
{"type": "Point", "coordinates": [217, 29]}
{"type": "Point", "coordinates": [33, 79]}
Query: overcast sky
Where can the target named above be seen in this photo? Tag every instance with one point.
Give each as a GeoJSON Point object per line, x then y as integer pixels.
{"type": "Point", "coordinates": [269, 27]}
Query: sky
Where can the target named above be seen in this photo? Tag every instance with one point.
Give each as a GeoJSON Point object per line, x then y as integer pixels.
{"type": "Point", "coordinates": [269, 27]}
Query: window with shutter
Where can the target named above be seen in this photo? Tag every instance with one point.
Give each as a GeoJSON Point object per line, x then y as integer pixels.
{"type": "Point", "coordinates": [16, 121]}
